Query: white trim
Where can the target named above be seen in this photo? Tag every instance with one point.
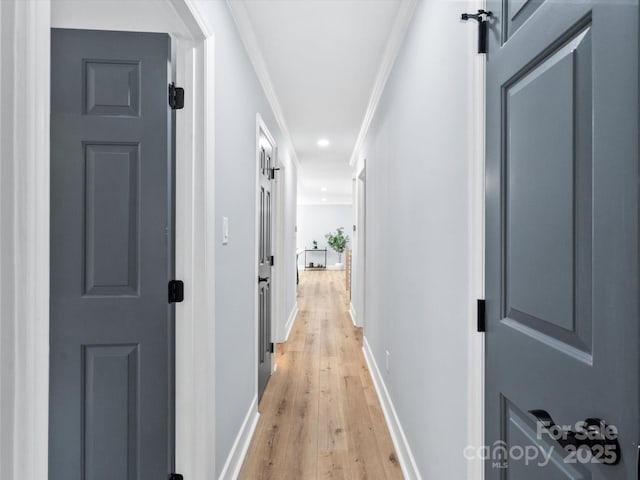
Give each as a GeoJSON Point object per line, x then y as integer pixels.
{"type": "Point", "coordinates": [290, 322]}
{"type": "Point", "coordinates": [278, 327]}
{"type": "Point", "coordinates": [238, 452]}
{"type": "Point", "coordinates": [403, 450]}
{"type": "Point", "coordinates": [208, 436]}
{"type": "Point", "coordinates": [251, 44]}
{"type": "Point", "coordinates": [394, 44]}
{"type": "Point", "coordinates": [192, 18]}
{"type": "Point", "coordinates": [195, 241]}
{"type": "Point", "coordinates": [476, 357]}
{"type": "Point", "coordinates": [352, 314]}
{"type": "Point", "coordinates": [358, 259]}
{"type": "Point", "coordinates": [24, 238]}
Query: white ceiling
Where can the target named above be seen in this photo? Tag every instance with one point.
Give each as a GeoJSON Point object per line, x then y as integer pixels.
{"type": "Point", "coordinates": [322, 57]}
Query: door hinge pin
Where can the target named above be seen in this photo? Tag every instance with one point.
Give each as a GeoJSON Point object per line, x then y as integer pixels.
{"type": "Point", "coordinates": [482, 323]}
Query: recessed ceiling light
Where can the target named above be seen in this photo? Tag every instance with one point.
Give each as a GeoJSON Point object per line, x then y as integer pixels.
{"type": "Point", "coordinates": [323, 142]}
{"type": "Point", "coordinates": [323, 189]}
{"type": "Point", "coordinates": [324, 199]}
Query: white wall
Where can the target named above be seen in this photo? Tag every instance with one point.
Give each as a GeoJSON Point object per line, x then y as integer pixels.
{"type": "Point", "coordinates": [239, 96]}
{"type": "Point", "coordinates": [315, 221]}
{"type": "Point", "coordinates": [421, 165]}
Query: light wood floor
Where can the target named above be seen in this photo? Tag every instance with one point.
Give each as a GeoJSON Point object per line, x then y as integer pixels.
{"type": "Point", "coordinates": [320, 416]}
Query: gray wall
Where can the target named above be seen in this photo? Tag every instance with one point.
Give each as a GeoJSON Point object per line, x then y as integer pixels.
{"type": "Point", "coordinates": [315, 221]}
{"type": "Point", "coordinates": [238, 98]}
{"type": "Point", "coordinates": [418, 159]}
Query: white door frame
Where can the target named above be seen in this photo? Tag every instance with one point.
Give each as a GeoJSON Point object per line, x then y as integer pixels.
{"type": "Point", "coordinates": [278, 320]}
{"type": "Point", "coordinates": [476, 186]}
{"type": "Point", "coordinates": [359, 260]}
{"type": "Point", "coordinates": [24, 227]}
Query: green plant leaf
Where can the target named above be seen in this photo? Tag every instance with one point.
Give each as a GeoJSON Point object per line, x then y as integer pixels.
{"type": "Point", "coordinates": [337, 241]}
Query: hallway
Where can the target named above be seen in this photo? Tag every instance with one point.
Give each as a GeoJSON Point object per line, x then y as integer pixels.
{"type": "Point", "coordinates": [320, 416]}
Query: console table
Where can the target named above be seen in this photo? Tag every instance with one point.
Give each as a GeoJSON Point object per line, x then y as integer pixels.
{"type": "Point", "coordinates": [306, 265]}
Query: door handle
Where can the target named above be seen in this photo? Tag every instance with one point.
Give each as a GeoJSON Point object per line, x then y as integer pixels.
{"type": "Point", "coordinates": [263, 279]}
{"type": "Point", "coordinates": [592, 434]}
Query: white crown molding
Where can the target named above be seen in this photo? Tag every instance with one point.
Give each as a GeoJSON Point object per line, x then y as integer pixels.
{"type": "Point", "coordinates": [192, 17]}
{"type": "Point", "coordinates": [396, 38]}
{"type": "Point", "coordinates": [248, 36]}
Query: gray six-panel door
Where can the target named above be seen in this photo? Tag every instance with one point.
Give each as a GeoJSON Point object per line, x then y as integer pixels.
{"type": "Point", "coordinates": [111, 381]}
{"type": "Point", "coordinates": [265, 200]}
{"type": "Point", "coordinates": [561, 235]}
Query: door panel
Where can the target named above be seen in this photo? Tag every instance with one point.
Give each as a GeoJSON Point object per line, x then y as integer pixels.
{"type": "Point", "coordinates": [111, 219]}
{"type": "Point", "coordinates": [111, 377]}
{"type": "Point", "coordinates": [562, 230]}
{"type": "Point", "coordinates": [547, 198]}
{"type": "Point", "coordinates": [516, 13]}
{"type": "Point", "coordinates": [264, 267]}
{"type": "Point", "coordinates": [521, 430]}
{"type": "Point", "coordinates": [111, 410]}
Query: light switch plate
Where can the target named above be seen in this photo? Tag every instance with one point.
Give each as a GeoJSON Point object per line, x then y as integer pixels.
{"type": "Point", "coordinates": [225, 230]}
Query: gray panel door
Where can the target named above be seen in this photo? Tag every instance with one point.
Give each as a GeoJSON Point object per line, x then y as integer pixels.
{"type": "Point", "coordinates": [111, 387]}
{"type": "Point", "coordinates": [561, 235]}
{"type": "Point", "coordinates": [264, 263]}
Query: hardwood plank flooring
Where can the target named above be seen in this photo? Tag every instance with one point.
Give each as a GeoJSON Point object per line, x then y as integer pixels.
{"type": "Point", "coordinates": [320, 417]}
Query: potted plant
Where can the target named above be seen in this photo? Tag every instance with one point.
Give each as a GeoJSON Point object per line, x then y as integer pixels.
{"type": "Point", "coordinates": [338, 241]}
{"type": "Point", "coordinates": [315, 244]}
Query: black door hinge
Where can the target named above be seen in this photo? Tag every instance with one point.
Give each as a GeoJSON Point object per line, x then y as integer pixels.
{"type": "Point", "coordinates": [176, 97]}
{"type": "Point", "coordinates": [272, 348]}
{"type": "Point", "coordinates": [482, 323]}
{"type": "Point", "coordinates": [176, 476]}
{"type": "Point", "coordinates": [176, 291]}
{"type": "Point", "coordinates": [273, 262]}
{"type": "Point", "coordinates": [482, 18]}
{"type": "Point", "coordinates": [273, 173]}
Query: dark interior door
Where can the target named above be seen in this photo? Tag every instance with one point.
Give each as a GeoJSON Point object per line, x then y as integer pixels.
{"type": "Point", "coordinates": [264, 264]}
{"type": "Point", "coordinates": [562, 235]}
{"type": "Point", "coordinates": [111, 378]}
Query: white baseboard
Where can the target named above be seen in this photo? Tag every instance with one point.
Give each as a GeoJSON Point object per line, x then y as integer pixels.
{"type": "Point", "coordinates": [239, 449]}
{"type": "Point", "coordinates": [290, 321]}
{"type": "Point", "coordinates": [405, 457]}
{"type": "Point", "coordinates": [352, 314]}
